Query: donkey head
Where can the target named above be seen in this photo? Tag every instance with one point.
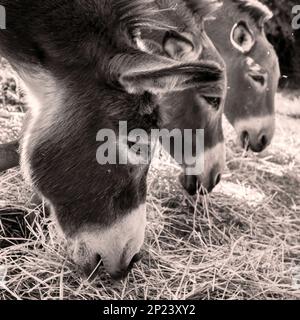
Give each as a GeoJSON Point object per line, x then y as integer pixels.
{"type": "Point", "coordinates": [252, 70]}
{"type": "Point", "coordinates": [109, 219]}
{"type": "Point", "coordinates": [195, 100]}
{"type": "Point", "coordinates": [200, 107]}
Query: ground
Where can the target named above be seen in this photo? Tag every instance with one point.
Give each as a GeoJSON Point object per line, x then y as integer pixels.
{"type": "Point", "coordinates": [242, 242]}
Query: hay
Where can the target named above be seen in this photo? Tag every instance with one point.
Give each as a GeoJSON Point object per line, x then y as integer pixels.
{"type": "Point", "coordinates": [242, 242]}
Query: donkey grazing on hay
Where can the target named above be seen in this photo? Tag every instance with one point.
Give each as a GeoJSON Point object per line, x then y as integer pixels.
{"type": "Point", "coordinates": [252, 69]}
{"type": "Point", "coordinates": [191, 110]}
{"type": "Point", "coordinates": [87, 67]}
{"type": "Point", "coordinates": [253, 75]}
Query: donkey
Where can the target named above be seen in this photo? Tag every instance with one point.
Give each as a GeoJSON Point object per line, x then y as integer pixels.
{"type": "Point", "coordinates": [87, 67]}
{"type": "Point", "coordinates": [249, 104]}
{"type": "Point", "coordinates": [252, 70]}
{"type": "Point", "coordinates": [193, 110]}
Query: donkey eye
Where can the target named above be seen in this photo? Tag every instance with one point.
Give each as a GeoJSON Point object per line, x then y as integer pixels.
{"type": "Point", "coordinates": [215, 102]}
{"type": "Point", "coordinates": [242, 37]}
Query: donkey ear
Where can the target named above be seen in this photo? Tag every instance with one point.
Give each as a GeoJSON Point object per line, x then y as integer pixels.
{"type": "Point", "coordinates": [173, 78]}
{"type": "Point", "coordinates": [180, 46]}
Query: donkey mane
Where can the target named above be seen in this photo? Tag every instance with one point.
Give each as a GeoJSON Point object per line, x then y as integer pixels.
{"type": "Point", "coordinates": [259, 12]}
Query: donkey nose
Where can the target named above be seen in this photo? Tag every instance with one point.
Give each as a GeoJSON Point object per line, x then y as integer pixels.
{"type": "Point", "coordinates": [192, 184]}
{"type": "Point", "coordinates": [257, 143]}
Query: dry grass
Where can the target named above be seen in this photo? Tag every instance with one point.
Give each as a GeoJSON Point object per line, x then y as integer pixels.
{"type": "Point", "coordinates": [242, 242]}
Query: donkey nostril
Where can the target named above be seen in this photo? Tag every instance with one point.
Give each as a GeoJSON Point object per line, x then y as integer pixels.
{"type": "Point", "coordinates": [123, 273]}
{"type": "Point", "coordinates": [245, 137]}
{"type": "Point", "coordinates": [218, 179]}
{"type": "Point", "coordinates": [263, 141]}
{"type": "Point", "coordinates": [190, 184]}
{"type": "Point", "coordinates": [136, 258]}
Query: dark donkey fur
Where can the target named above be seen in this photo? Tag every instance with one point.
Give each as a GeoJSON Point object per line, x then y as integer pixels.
{"type": "Point", "coordinates": [81, 61]}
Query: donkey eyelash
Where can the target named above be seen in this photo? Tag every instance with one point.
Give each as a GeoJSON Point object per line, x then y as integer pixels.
{"type": "Point", "coordinates": [215, 102]}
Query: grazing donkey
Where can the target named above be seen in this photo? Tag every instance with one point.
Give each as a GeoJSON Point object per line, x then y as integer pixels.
{"type": "Point", "coordinates": [193, 109]}
{"type": "Point", "coordinates": [87, 67]}
{"type": "Point", "coordinates": [252, 69]}
{"type": "Point", "coordinates": [253, 75]}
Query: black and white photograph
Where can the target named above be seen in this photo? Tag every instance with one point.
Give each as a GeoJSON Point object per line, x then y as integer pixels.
{"type": "Point", "coordinates": [149, 151]}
